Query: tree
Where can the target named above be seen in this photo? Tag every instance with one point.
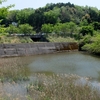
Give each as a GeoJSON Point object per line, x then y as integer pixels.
{"type": "Point", "coordinates": [86, 19]}
{"type": "Point", "coordinates": [12, 16]}
{"type": "Point", "coordinates": [4, 12]}
{"type": "Point", "coordinates": [1, 1]}
{"type": "Point", "coordinates": [47, 28]}
{"type": "Point", "coordinates": [94, 46]}
{"type": "Point", "coordinates": [72, 27]}
{"type": "Point", "coordinates": [86, 30]}
{"type": "Point", "coordinates": [26, 29]}
{"type": "Point", "coordinates": [93, 14]}
{"type": "Point", "coordinates": [64, 15]}
{"type": "Point", "coordinates": [12, 29]}
{"type": "Point", "coordinates": [62, 29]}
{"type": "Point", "coordinates": [96, 26]}
{"type": "Point", "coordinates": [57, 29]}
{"type": "Point", "coordinates": [36, 19]}
{"type": "Point", "coordinates": [23, 15]}
{"type": "Point", "coordinates": [52, 16]}
{"type": "Point", "coordinates": [2, 30]}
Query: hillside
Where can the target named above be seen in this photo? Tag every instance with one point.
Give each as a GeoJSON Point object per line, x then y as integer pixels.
{"type": "Point", "coordinates": [55, 20]}
{"type": "Point", "coordinates": [52, 14]}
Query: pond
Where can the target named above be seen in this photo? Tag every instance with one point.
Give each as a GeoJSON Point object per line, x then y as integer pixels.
{"type": "Point", "coordinates": [77, 63]}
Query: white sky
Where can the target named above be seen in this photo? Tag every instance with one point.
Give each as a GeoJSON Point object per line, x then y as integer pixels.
{"type": "Point", "coordinates": [21, 4]}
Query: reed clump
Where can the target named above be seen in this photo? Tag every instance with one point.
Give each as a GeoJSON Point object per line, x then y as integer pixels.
{"type": "Point", "coordinates": [61, 87]}
{"type": "Point", "coordinates": [12, 70]}
{"type": "Point", "coordinates": [60, 39]}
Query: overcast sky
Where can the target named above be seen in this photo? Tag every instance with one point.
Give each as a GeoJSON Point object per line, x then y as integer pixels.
{"type": "Point", "coordinates": [21, 4]}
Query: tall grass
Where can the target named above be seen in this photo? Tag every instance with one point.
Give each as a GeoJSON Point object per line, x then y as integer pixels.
{"type": "Point", "coordinates": [46, 87]}
{"type": "Point", "coordinates": [12, 70]}
{"type": "Point", "coordinates": [60, 39]}
{"type": "Point", "coordinates": [15, 39]}
{"type": "Point", "coordinates": [61, 87]}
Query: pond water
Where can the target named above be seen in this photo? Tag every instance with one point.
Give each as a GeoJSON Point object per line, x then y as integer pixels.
{"type": "Point", "coordinates": [78, 63]}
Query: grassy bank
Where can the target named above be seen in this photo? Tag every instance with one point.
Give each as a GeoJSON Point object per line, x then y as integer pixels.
{"type": "Point", "coordinates": [15, 39]}
{"type": "Point", "coordinates": [12, 70]}
{"type": "Point", "coordinates": [55, 87]}
{"type": "Point", "coordinates": [60, 39]}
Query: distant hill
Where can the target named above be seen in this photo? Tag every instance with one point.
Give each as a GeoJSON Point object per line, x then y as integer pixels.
{"type": "Point", "coordinates": [52, 14]}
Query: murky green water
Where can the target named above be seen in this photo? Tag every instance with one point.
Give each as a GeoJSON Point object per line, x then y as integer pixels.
{"type": "Point", "coordinates": [79, 63]}
{"type": "Point", "coordinates": [68, 62]}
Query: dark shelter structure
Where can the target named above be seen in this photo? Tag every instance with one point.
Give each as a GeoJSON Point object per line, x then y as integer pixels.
{"type": "Point", "coordinates": [35, 37]}
{"type": "Point", "coordinates": [39, 37]}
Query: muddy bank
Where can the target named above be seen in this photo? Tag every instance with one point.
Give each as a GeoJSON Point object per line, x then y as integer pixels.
{"type": "Point", "coordinates": [26, 49]}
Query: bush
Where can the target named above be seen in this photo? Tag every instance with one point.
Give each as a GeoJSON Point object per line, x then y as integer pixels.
{"type": "Point", "coordinates": [85, 30]}
{"type": "Point", "coordinates": [93, 47]}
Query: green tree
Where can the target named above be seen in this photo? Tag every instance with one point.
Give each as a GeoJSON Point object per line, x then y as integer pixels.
{"type": "Point", "coordinates": [94, 46]}
{"type": "Point", "coordinates": [1, 1]}
{"type": "Point", "coordinates": [64, 15]}
{"type": "Point", "coordinates": [72, 28]}
{"type": "Point", "coordinates": [96, 26]}
{"type": "Point", "coordinates": [57, 29]}
{"type": "Point", "coordinates": [47, 28]}
{"type": "Point", "coordinates": [26, 29]}
{"type": "Point", "coordinates": [52, 16]}
{"type": "Point", "coordinates": [62, 29]}
{"type": "Point", "coordinates": [12, 29]}
{"type": "Point", "coordinates": [86, 20]}
{"type": "Point", "coordinates": [23, 15]}
{"type": "Point", "coordinates": [94, 14]}
{"type": "Point", "coordinates": [86, 30]}
{"type": "Point", "coordinates": [4, 12]}
{"type": "Point", "coordinates": [3, 30]}
{"type": "Point", "coordinates": [36, 19]}
{"type": "Point", "coordinates": [11, 17]}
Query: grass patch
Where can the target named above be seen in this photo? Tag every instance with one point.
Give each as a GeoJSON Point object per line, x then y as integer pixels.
{"type": "Point", "coordinates": [12, 70]}
{"type": "Point", "coordinates": [60, 39]}
{"type": "Point", "coordinates": [15, 39]}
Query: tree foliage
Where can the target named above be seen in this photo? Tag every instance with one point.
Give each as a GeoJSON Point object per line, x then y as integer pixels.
{"type": "Point", "coordinates": [60, 19]}
{"type": "Point", "coordinates": [25, 29]}
{"type": "Point", "coordinates": [52, 14]}
{"type": "Point", "coordinates": [86, 30]}
{"type": "Point", "coordinates": [12, 29]}
{"type": "Point", "coordinates": [1, 1]}
{"type": "Point", "coordinates": [93, 47]}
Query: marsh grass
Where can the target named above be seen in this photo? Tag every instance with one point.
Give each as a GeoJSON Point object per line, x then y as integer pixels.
{"type": "Point", "coordinates": [12, 70]}
{"type": "Point", "coordinates": [46, 87]}
{"type": "Point", "coordinates": [60, 39]}
{"type": "Point", "coordinates": [15, 39]}
{"type": "Point", "coordinates": [61, 87]}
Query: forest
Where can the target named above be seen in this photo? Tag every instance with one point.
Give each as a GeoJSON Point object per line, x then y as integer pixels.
{"type": "Point", "coordinates": [64, 20]}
